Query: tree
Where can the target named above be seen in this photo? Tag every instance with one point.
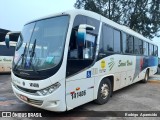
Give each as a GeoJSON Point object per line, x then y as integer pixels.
{"type": "Point", "coordinates": [142, 16]}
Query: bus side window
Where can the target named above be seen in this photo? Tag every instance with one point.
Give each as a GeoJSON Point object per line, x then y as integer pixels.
{"type": "Point", "coordinates": [145, 48]}
{"type": "Point", "coordinates": [124, 45]}
{"type": "Point", "coordinates": [155, 51]}
{"type": "Point", "coordinates": [141, 46]}
{"type": "Point", "coordinates": [117, 43]}
{"type": "Point", "coordinates": [137, 46]}
{"type": "Point", "coordinates": [150, 49]}
{"type": "Point", "coordinates": [106, 40]}
{"type": "Point", "coordinates": [129, 44]}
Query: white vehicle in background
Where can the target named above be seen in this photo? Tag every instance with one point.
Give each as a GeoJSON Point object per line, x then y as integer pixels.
{"type": "Point", "coordinates": [6, 57]}
{"type": "Point", "coordinates": [71, 58]}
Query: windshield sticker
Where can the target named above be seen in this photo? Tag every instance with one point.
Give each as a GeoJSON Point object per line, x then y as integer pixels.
{"type": "Point", "coordinates": [49, 60]}
{"type": "Point", "coordinates": [27, 63]}
{"type": "Point", "coordinates": [88, 74]}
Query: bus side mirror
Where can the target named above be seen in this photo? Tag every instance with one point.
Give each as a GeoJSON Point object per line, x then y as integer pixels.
{"type": "Point", "coordinates": [11, 36]}
{"type": "Point", "coordinates": [7, 41]}
{"type": "Point", "coordinates": [81, 35]}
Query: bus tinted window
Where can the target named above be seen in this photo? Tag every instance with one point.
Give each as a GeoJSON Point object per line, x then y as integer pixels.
{"type": "Point", "coordinates": [4, 51]}
{"type": "Point", "coordinates": [124, 43]}
{"type": "Point", "coordinates": [79, 20]}
{"type": "Point", "coordinates": [136, 46]}
{"type": "Point", "coordinates": [145, 48]}
{"type": "Point", "coordinates": [150, 49]}
{"type": "Point", "coordinates": [129, 44]}
{"type": "Point", "coordinates": [93, 22]}
{"type": "Point", "coordinates": [140, 46]}
{"type": "Point", "coordinates": [116, 41]}
{"type": "Point", "coordinates": [155, 51]}
{"type": "Point", "coordinates": [107, 38]}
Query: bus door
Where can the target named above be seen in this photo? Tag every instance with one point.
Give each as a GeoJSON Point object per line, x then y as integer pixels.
{"type": "Point", "coordinates": [81, 56]}
{"type": "Point", "coordinates": [80, 83]}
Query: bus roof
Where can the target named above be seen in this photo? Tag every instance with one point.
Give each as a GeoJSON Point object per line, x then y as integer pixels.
{"type": "Point", "coordinates": [94, 15]}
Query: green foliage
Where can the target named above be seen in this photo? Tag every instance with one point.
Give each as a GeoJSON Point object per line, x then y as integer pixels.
{"type": "Point", "coordinates": [142, 16]}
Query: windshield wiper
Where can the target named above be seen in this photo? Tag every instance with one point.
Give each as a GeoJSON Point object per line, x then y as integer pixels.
{"type": "Point", "coordinates": [32, 54]}
{"type": "Point", "coordinates": [22, 57]}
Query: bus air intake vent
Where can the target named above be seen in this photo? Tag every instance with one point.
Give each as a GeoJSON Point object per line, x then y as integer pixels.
{"type": "Point", "coordinates": [32, 101]}
{"type": "Point", "coordinates": [35, 102]}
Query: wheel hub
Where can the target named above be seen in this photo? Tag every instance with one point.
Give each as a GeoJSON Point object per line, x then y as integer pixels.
{"type": "Point", "coordinates": [104, 91]}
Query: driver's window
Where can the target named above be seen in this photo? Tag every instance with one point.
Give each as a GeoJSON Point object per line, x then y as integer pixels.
{"type": "Point", "coordinates": [82, 56]}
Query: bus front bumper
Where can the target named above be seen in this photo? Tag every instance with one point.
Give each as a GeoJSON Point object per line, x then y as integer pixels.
{"type": "Point", "coordinates": [51, 102]}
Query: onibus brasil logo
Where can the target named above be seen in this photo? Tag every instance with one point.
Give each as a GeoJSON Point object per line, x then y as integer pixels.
{"type": "Point", "coordinates": [111, 63]}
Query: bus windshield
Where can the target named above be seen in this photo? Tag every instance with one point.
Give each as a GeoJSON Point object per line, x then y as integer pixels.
{"type": "Point", "coordinates": [41, 43]}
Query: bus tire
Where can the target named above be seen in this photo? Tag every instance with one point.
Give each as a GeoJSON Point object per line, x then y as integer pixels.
{"type": "Point", "coordinates": [104, 92]}
{"type": "Point", "coordinates": [146, 77]}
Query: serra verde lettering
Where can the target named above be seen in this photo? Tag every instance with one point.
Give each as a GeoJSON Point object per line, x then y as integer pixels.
{"type": "Point", "coordinates": [126, 63]}
{"type": "Point", "coordinates": [5, 60]}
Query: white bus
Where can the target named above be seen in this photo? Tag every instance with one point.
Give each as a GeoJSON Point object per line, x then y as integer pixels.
{"type": "Point", "coordinates": [65, 60]}
{"type": "Point", "coordinates": [6, 57]}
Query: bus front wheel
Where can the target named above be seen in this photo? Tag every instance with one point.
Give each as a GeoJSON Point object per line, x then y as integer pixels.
{"type": "Point", "coordinates": [146, 77]}
{"type": "Point", "coordinates": [104, 92]}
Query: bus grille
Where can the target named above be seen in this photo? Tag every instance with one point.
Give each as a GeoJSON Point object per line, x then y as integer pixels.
{"type": "Point", "coordinates": [32, 101]}
{"type": "Point", "coordinates": [35, 102]}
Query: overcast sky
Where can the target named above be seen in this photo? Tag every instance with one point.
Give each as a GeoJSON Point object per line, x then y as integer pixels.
{"type": "Point", "coordinates": [15, 13]}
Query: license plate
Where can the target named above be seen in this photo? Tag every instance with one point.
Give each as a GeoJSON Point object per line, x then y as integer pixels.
{"type": "Point", "coordinates": [23, 97]}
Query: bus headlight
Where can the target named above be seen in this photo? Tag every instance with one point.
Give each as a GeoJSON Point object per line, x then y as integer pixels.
{"type": "Point", "coordinates": [49, 89]}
